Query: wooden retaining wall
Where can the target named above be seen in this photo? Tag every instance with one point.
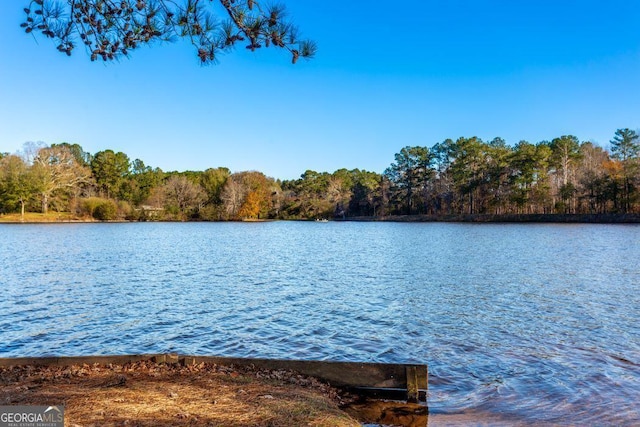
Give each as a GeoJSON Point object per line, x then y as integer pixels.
{"type": "Point", "coordinates": [384, 380]}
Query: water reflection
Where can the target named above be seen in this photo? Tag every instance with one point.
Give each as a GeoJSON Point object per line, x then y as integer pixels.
{"type": "Point", "coordinates": [374, 413]}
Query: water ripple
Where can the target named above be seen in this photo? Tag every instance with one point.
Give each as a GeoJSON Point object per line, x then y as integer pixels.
{"type": "Point", "coordinates": [537, 322]}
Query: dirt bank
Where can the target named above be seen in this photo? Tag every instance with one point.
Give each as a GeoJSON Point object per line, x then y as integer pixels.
{"type": "Point", "coordinates": [149, 394]}
{"type": "Point", "coordinates": [146, 393]}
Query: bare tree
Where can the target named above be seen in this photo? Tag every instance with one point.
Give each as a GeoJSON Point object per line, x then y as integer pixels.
{"type": "Point", "coordinates": [183, 194]}
{"type": "Point", "coordinates": [56, 169]}
{"type": "Point", "coordinates": [592, 176]}
{"type": "Point", "coordinates": [112, 28]}
{"type": "Point", "coordinates": [233, 195]}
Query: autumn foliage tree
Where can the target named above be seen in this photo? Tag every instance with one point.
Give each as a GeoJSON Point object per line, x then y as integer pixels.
{"type": "Point", "coordinates": [251, 206]}
{"type": "Point", "coordinates": [109, 29]}
{"type": "Point", "coordinates": [247, 195]}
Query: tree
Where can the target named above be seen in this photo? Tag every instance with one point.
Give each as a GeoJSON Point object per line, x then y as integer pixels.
{"type": "Point", "coordinates": [363, 198]}
{"type": "Point", "coordinates": [497, 173]}
{"type": "Point", "coordinates": [442, 191]}
{"type": "Point", "coordinates": [467, 168]}
{"type": "Point", "coordinates": [82, 157]}
{"type": "Point", "coordinates": [182, 194]}
{"type": "Point", "coordinates": [307, 197]}
{"type": "Point", "coordinates": [232, 196]}
{"type": "Point", "coordinates": [625, 147]}
{"type": "Point", "coordinates": [593, 178]}
{"type": "Point", "coordinates": [565, 153]}
{"type": "Point", "coordinates": [55, 170]}
{"type": "Point", "coordinates": [212, 181]}
{"type": "Point", "coordinates": [410, 173]}
{"type": "Point", "coordinates": [339, 191]}
{"type": "Point", "coordinates": [250, 206]}
{"type": "Point", "coordinates": [109, 170]}
{"type": "Point", "coordinates": [110, 29]}
{"type": "Point", "coordinates": [17, 183]}
{"type": "Point", "coordinates": [257, 189]}
{"type": "Point", "coordinates": [529, 164]}
{"type": "Point", "coordinates": [141, 181]}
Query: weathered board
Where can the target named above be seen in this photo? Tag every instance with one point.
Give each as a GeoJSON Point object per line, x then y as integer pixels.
{"type": "Point", "coordinates": [373, 378]}
{"type": "Point", "coordinates": [75, 360]}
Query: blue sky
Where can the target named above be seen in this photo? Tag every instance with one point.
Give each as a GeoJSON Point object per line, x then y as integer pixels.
{"type": "Point", "coordinates": [385, 77]}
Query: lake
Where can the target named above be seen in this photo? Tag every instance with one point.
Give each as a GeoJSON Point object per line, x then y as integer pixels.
{"type": "Point", "coordinates": [537, 323]}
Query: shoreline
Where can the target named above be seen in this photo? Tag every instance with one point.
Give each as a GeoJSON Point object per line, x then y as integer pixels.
{"type": "Point", "coordinates": [630, 218]}
{"type": "Point", "coordinates": [146, 393]}
{"type": "Point", "coordinates": [510, 218]}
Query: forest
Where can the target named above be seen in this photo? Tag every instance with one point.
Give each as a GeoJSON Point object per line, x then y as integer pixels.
{"type": "Point", "coordinates": [465, 176]}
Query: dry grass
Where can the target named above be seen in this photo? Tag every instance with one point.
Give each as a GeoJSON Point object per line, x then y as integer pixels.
{"type": "Point", "coordinates": [40, 217]}
{"type": "Point", "coordinates": [149, 394]}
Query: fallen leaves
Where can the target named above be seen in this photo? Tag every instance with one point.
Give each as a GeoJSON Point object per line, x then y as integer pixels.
{"type": "Point", "coordinates": [146, 393]}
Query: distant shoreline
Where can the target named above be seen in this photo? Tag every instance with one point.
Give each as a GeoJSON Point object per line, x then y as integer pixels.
{"type": "Point", "coordinates": [467, 218]}
{"type": "Point", "coordinates": [510, 218]}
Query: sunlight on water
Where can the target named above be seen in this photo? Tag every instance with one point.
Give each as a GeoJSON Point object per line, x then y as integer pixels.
{"type": "Point", "coordinates": [537, 323]}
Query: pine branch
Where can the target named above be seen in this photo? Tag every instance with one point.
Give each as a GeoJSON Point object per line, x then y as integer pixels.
{"type": "Point", "coordinates": [110, 29]}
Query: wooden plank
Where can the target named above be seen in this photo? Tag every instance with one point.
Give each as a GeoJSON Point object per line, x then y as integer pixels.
{"type": "Point", "coordinates": [422, 372]}
{"type": "Point", "coordinates": [412, 384]}
{"type": "Point", "coordinates": [342, 374]}
{"type": "Point", "coordinates": [75, 360]}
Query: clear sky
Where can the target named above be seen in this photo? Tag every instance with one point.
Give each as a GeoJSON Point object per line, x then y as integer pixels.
{"type": "Point", "coordinates": [387, 75]}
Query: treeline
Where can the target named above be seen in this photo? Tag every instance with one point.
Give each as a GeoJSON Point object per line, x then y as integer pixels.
{"type": "Point", "coordinates": [465, 176]}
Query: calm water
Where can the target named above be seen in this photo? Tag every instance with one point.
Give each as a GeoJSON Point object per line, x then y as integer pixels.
{"type": "Point", "coordinates": [538, 323]}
